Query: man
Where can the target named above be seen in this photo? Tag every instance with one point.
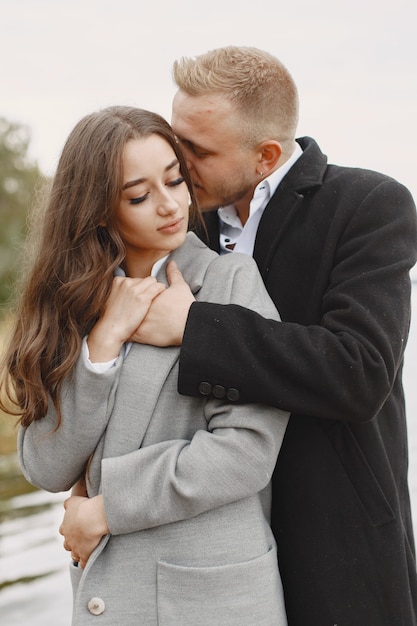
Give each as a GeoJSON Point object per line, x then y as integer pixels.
{"type": "Point", "coordinates": [334, 246]}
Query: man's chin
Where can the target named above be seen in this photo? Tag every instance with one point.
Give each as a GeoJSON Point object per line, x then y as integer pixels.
{"type": "Point", "coordinates": [206, 204]}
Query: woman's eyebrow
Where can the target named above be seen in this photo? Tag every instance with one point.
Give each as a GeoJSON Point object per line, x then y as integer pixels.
{"type": "Point", "coordinates": [138, 181]}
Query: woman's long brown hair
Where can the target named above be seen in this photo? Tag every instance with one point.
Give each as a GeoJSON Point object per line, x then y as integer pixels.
{"type": "Point", "coordinates": [71, 258]}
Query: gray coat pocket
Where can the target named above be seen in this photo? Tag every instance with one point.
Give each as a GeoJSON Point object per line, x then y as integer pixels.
{"type": "Point", "coordinates": [237, 594]}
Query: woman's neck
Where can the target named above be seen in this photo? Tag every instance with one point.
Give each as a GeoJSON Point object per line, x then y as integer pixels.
{"type": "Point", "coordinates": [141, 267]}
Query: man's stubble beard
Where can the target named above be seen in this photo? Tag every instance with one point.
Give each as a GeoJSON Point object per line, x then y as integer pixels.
{"type": "Point", "coordinates": [227, 197]}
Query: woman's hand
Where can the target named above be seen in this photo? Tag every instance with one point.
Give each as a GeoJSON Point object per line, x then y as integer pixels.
{"type": "Point", "coordinates": [83, 526]}
{"type": "Point", "coordinates": [126, 307]}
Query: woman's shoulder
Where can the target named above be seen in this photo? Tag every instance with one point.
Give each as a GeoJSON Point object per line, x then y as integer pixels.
{"type": "Point", "coordinates": [194, 248]}
{"type": "Point", "coordinates": [236, 259]}
{"type": "Point", "coordinates": [235, 263]}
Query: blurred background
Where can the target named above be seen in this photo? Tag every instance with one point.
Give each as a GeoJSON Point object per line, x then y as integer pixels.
{"type": "Point", "coordinates": [355, 64]}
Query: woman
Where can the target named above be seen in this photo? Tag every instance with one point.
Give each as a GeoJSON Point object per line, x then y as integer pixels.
{"type": "Point", "coordinates": [175, 529]}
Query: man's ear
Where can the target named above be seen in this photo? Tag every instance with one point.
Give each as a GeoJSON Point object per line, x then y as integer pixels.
{"type": "Point", "coordinates": [269, 155]}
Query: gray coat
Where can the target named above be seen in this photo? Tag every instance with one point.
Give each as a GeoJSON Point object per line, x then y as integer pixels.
{"type": "Point", "coordinates": [186, 481]}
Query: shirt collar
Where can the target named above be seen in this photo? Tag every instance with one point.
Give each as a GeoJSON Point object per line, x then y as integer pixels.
{"type": "Point", "coordinates": [274, 179]}
{"type": "Point", "coordinates": [155, 268]}
{"type": "Point", "coordinates": [263, 191]}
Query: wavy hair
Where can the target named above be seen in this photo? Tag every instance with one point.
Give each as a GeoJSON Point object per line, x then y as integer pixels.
{"type": "Point", "coordinates": [70, 258]}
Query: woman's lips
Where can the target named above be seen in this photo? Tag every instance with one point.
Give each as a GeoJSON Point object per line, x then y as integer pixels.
{"type": "Point", "coordinates": [172, 227]}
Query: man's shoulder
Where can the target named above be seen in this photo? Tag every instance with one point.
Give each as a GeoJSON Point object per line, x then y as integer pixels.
{"type": "Point", "coordinates": [313, 174]}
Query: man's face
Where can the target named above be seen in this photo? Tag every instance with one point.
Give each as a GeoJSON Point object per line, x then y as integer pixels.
{"type": "Point", "coordinates": [222, 168]}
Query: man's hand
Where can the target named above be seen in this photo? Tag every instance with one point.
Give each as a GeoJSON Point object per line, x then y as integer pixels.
{"type": "Point", "coordinates": [165, 321]}
{"type": "Point", "coordinates": [83, 526]}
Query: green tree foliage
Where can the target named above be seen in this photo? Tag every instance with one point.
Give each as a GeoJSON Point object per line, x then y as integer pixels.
{"type": "Point", "coordinates": [18, 179]}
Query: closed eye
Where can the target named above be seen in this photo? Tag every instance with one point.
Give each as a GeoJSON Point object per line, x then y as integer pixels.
{"type": "Point", "coordinates": [171, 183]}
{"type": "Point", "coordinates": [198, 152]}
{"type": "Point", "coordinates": [139, 199]}
{"type": "Point", "coordinates": [177, 181]}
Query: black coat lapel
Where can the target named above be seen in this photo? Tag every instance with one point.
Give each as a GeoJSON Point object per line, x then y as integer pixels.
{"type": "Point", "coordinates": [273, 224]}
{"type": "Point", "coordinates": [305, 174]}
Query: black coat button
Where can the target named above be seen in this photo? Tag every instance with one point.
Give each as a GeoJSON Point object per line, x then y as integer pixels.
{"type": "Point", "coordinates": [219, 391]}
{"type": "Point", "coordinates": [233, 394]}
{"type": "Point", "coordinates": [205, 388]}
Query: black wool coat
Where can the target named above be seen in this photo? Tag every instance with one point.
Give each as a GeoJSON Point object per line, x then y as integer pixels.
{"type": "Point", "coordinates": [334, 247]}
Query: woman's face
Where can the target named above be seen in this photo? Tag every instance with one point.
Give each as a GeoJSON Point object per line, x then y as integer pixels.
{"type": "Point", "coordinates": [152, 217]}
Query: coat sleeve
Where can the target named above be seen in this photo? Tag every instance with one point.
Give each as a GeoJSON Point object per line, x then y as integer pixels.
{"type": "Point", "coordinates": [233, 459]}
{"type": "Point", "coordinates": [179, 479]}
{"type": "Point", "coordinates": [344, 363]}
{"type": "Point", "coordinates": [54, 458]}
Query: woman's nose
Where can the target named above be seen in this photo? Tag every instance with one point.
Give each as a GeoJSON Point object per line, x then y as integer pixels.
{"type": "Point", "coordinates": [167, 204]}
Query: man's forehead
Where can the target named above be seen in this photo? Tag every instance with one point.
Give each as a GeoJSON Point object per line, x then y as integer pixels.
{"type": "Point", "coordinates": [202, 107]}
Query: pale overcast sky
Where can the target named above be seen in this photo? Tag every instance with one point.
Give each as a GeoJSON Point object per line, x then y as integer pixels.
{"type": "Point", "coordinates": [354, 61]}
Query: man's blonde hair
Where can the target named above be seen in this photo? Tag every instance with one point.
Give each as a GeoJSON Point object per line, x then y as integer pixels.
{"type": "Point", "coordinates": [256, 82]}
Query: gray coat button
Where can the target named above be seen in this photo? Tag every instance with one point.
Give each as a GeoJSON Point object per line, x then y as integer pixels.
{"type": "Point", "coordinates": [96, 606]}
